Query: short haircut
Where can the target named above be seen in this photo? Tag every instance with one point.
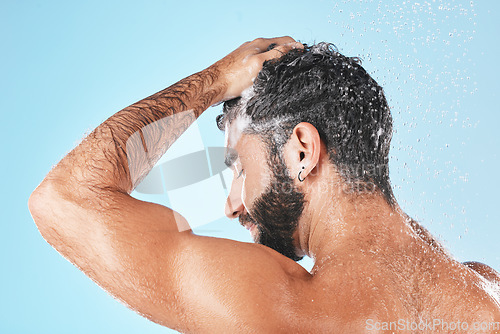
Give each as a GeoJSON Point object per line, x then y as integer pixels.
{"type": "Point", "coordinates": [335, 94]}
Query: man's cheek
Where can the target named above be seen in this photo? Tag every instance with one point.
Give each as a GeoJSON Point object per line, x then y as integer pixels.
{"type": "Point", "coordinates": [264, 181]}
{"type": "Point", "coordinates": [247, 196]}
{"type": "Point", "coordinates": [251, 190]}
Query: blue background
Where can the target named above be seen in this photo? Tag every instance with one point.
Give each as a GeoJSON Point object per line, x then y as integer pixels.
{"type": "Point", "coordinates": [68, 65]}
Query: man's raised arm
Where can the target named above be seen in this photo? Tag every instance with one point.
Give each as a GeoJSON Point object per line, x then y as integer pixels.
{"type": "Point", "coordinates": [133, 248]}
{"type": "Point", "coordinates": [103, 161]}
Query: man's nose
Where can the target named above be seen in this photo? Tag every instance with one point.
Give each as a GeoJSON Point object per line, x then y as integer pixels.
{"type": "Point", "coordinates": [234, 205]}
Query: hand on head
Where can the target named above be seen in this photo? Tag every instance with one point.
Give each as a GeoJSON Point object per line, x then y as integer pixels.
{"type": "Point", "coordinates": [238, 69]}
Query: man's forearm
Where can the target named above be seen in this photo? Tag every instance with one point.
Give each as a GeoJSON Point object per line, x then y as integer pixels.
{"type": "Point", "coordinates": [121, 151]}
{"type": "Point", "coordinates": [124, 148]}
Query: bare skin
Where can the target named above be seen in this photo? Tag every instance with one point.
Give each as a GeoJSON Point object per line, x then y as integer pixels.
{"type": "Point", "coordinates": [372, 263]}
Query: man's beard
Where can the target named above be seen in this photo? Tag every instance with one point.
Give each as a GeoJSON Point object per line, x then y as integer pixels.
{"type": "Point", "coordinates": [276, 213]}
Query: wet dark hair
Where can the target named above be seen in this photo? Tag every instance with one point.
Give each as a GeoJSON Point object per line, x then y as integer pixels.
{"type": "Point", "coordinates": [335, 94]}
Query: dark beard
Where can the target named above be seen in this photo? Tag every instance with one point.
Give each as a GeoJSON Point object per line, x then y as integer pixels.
{"type": "Point", "coordinates": [276, 213]}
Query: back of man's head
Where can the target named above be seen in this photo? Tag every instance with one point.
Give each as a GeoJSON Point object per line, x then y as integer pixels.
{"type": "Point", "coordinates": [334, 93]}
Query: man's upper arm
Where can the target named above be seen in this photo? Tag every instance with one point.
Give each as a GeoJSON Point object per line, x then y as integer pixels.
{"type": "Point", "coordinates": [134, 251]}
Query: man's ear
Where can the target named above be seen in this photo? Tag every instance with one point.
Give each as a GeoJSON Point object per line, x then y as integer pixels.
{"type": "Point", "coordinates": [304, 148]}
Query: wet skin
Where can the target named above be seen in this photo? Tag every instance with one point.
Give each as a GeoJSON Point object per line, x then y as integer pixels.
{"type": "Point", "coordinates": [371, 261]}
{"type": "Point", "coordinates": [375, 261]}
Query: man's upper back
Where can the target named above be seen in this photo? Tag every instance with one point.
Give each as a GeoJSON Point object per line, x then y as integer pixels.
{"type": "Point", "coordinates": [367, 291]}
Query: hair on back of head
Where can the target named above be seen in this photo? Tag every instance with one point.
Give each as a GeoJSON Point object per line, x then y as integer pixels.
{"type": "Point", "coordinates": [335, 94]}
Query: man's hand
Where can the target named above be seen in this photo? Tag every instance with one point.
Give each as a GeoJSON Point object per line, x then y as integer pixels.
{"type": "Point", "coordinates": [238, 69]}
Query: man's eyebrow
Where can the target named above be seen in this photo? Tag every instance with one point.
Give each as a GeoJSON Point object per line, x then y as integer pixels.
{"type": "Point", "coordinates": [230, 158]}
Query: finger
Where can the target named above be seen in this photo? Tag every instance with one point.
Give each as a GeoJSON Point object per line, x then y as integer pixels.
{"type": "Point", "coordinates": [280, 50]}
{"type": "Point", "coordinates": [271, 46]}
{"type": "Point", "coordinates": [263, 43]}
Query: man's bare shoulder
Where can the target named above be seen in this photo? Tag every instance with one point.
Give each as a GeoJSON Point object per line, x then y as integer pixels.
{"type": "Point", "coordinates": [484, 270]}
{"type": "Point", "coordinates": [235, 286]}
{"type": "Point", "coordinates": [272, 293]}
{"type": "Point", "coordinates": [351, 293]}
{"type": "Point", "coordinates": [391, 292]}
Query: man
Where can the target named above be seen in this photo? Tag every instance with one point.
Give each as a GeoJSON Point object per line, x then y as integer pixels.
{"type": "Point", "coordinates": [308, 137]}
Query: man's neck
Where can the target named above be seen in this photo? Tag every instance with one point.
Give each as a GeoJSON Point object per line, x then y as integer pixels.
{"type": "Point", "coordinates": [340, 223]}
